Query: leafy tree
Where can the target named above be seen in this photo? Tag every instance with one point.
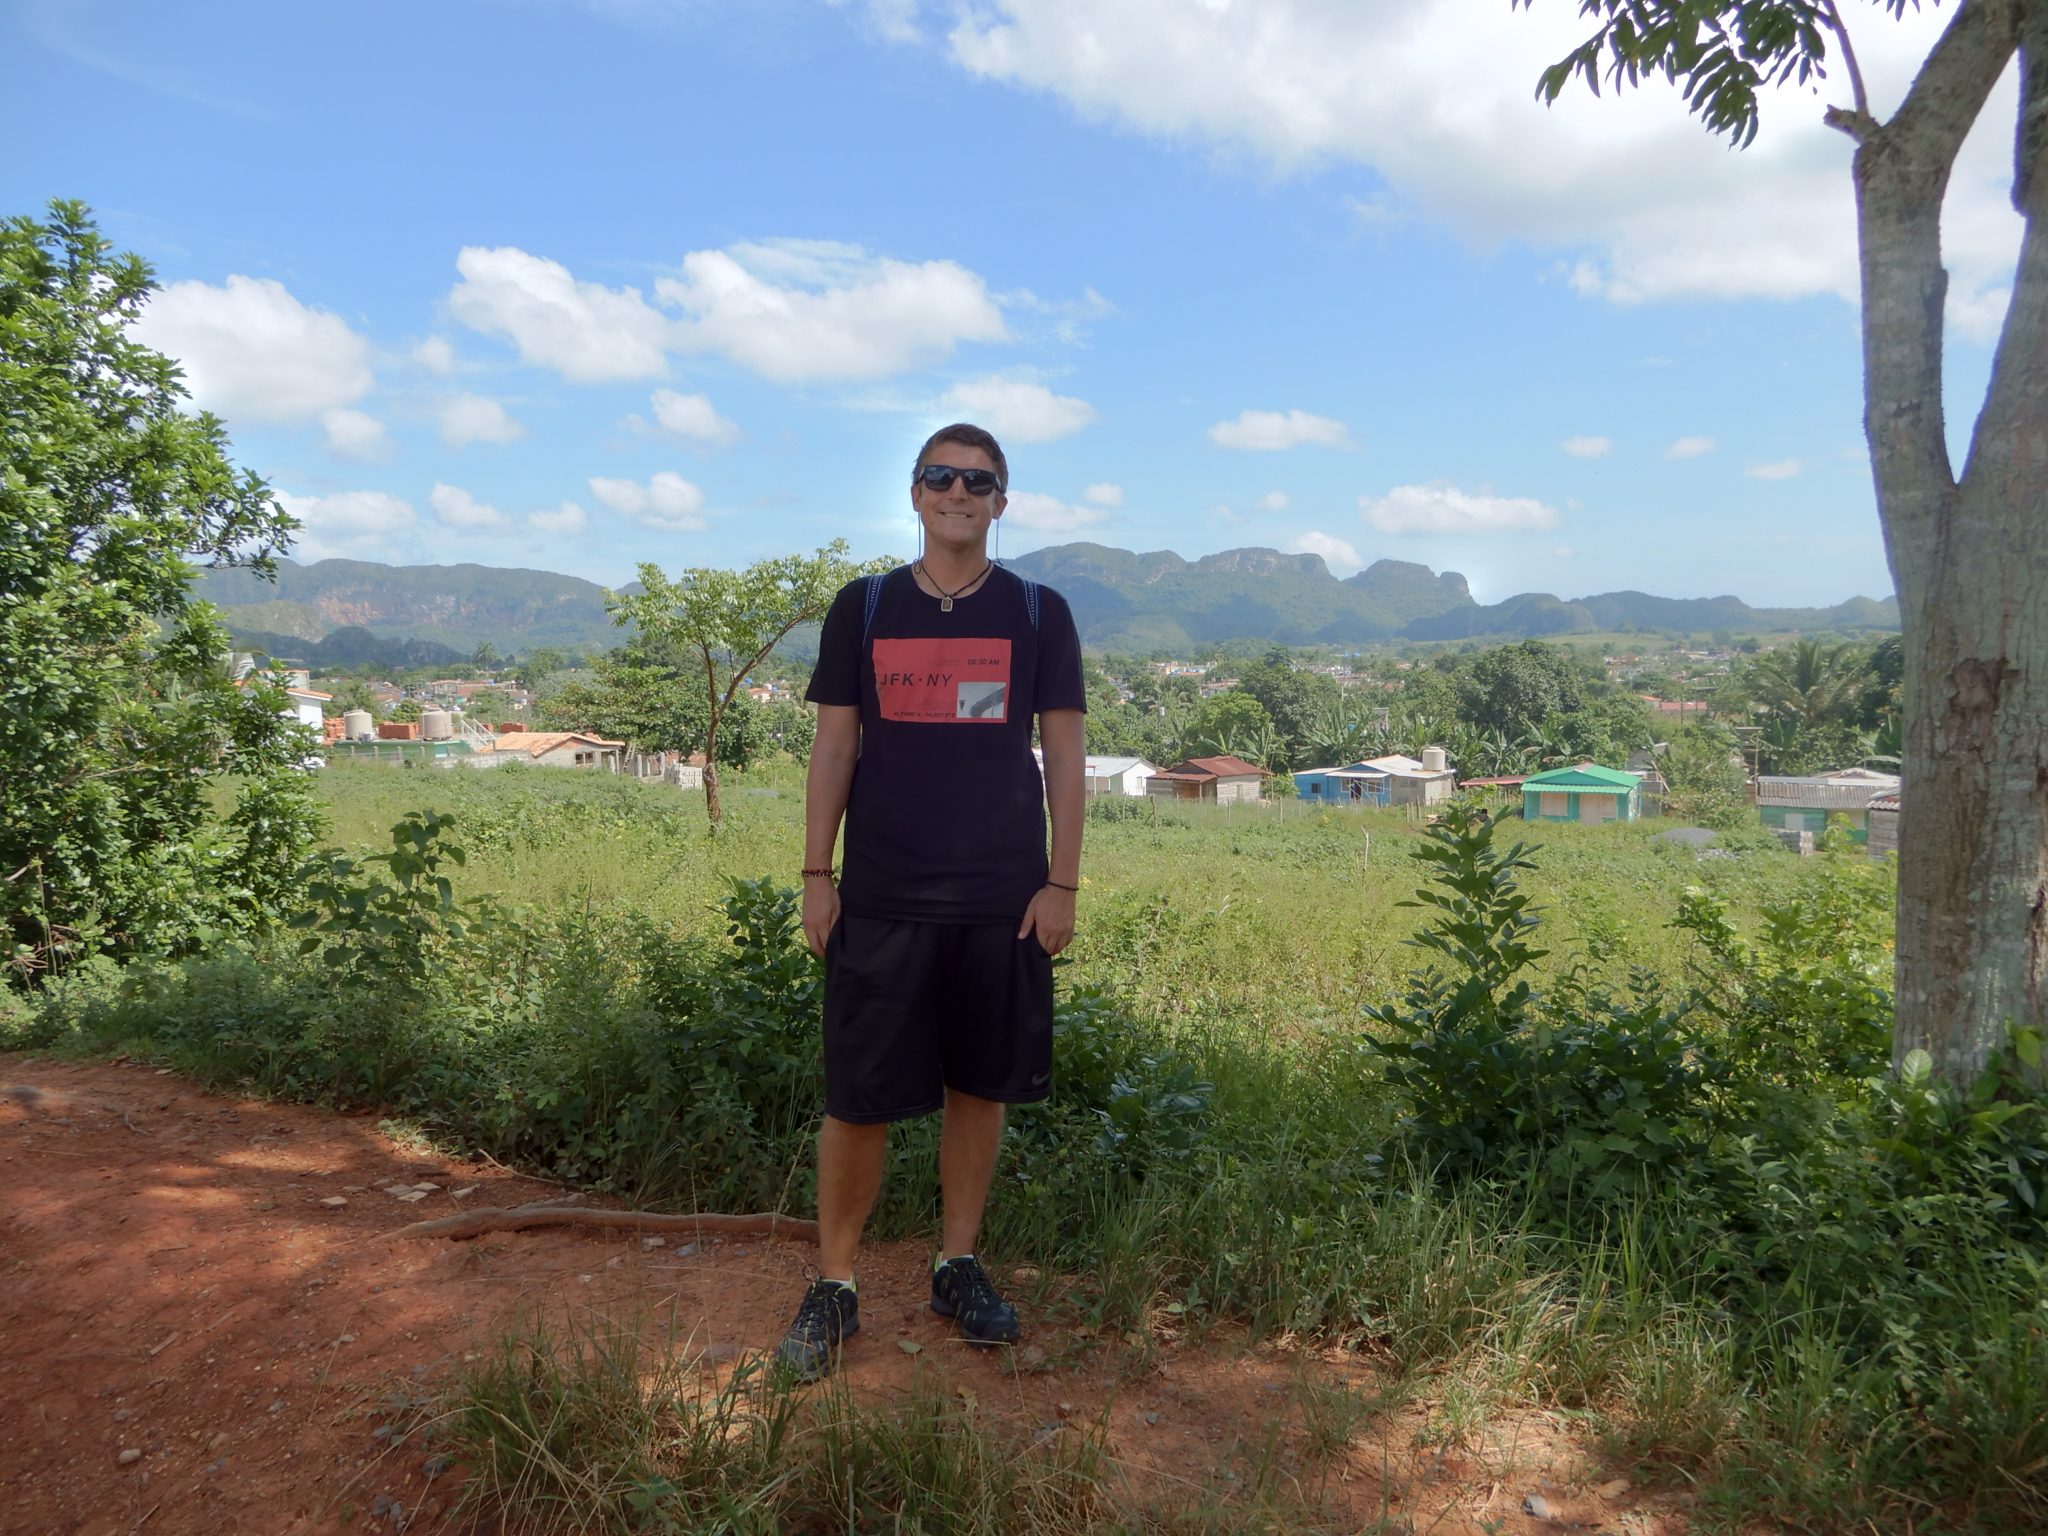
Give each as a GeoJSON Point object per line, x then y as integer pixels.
{"type": "Point", "coordinates": [352, 693]}
{"type": "Point", "coordinates": [1226, 721]}
{"type": "Point", "coordinates": [633, 697]}
{"type": "Point", "coordinates": [728, 622]}
{"type": "Point", "coordinates": [1707, 778]}
{"type": "Point", "coordinates": [1292, 697]}
{"type": "Point", "coordinates": [1512, 687]}
{"type": "Point", "coordinates": [541, 663]}
{"type": "Point", "coordinates": [484, 657]}
{"type": "Point", "coordinates": [1965, 551]}
{"type": "Point", "coordinates": [117, 710]}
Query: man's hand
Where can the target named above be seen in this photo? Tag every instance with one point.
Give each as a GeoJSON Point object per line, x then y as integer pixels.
{"type": "Point", "coordinates": [1050, 916]}
{"type": "Point", "coordinates": [821, 911]}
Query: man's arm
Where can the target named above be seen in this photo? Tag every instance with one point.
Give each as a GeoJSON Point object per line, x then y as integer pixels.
{"type": "Point", "coordinates": [826, 785]}
{"type": "Point", "coordinates": [1061, 736]}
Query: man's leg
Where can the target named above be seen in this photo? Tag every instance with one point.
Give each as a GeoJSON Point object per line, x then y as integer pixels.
{"type": "Point", "coordinates": [849, 1176]}
{"type": "Point", "coordinates": [961, 1289]}
{"type": "Point", "coordinates": [969, 1140]}
{"type": "Point", "coordinates": [850, 1161]}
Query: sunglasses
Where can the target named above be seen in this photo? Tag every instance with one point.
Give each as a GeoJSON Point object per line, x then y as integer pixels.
{"type": "Point", "coordinates": [940, 477]}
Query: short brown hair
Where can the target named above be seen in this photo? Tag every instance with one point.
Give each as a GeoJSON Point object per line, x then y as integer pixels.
{"type": "Point", "coordinates": [966, 435]}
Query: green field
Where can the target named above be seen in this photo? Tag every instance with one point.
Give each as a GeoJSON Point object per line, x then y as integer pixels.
{"type": "Point", "coordinates": [1284, 916]}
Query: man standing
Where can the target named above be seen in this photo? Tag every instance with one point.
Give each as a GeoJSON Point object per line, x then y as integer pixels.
{"type": "Point", "coordinates": [939, 934]}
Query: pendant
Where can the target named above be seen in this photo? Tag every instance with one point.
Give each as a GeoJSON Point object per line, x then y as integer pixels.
{"type": "Point", "coordinates": [945, 605]}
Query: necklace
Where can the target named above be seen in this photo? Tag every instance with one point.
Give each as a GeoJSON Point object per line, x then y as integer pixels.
{"type": "Point", "coordinates": [945, 597]}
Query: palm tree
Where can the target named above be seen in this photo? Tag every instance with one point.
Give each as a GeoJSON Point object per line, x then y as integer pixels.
{"type": "Point", "coordinates": [1810, 681]}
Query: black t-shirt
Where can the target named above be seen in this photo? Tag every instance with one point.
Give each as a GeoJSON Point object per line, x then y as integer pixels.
{"type": "Point", "coordinates": [945, 821]}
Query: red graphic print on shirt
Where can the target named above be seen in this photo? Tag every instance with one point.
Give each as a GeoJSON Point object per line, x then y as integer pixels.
{"type": "Point", "coordinates": [933, 679]}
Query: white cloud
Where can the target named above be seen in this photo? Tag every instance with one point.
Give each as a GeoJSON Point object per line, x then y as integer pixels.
{"type": "Point", "coordinates": [1777, 469]}
{"type": "Point", "coordinates": [667, 501]}
{"type": "Point", "coordinates": [1690, 448]}
{"type": "Point", "coordinates": [1337, 553]}
{"type": "Point", "coordinates": [567, 518]}
{"type": "Point", "coordinates": [477, 419]}
{"type": "Point", "coordinates": [1048, 514]}
{"type": "Point", "coordinates": [458, 509]}
{"type": "Point", "coordinates": [692, 417]}
{"type": "Point", "coordinates": [1276, 431]}
{"type": "Point", "coordinates": [252, 352]}
{"type": "Point", "coordinates": [354, 434]}
{"type": "Point", "coordinates": [1018, 411]}
{"type": "Point", "coordinates": [800, 311]}
{"type": "Point", "coordinates": [1104, 495]}
{"type": "Point", "coordinates": [1444, 509]}
{"type": "Point", "coordinates": [1275, 501]}
{"type": "Point", "coordinates": [1649, 204]}
{"type": "Point", "coordinates": [1588, 447]}
{"type": "Point", "coordinates": [435, 355]}
{"type": "Point", "coordinates": [586, 332]}
{"type": "Point", "coordinates": [347, 524]}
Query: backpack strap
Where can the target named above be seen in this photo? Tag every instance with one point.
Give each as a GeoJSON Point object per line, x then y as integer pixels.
{"type": "Point", "coordinates": [874, 598]}
{"type": "Point", "coordinates": [1030, 599]}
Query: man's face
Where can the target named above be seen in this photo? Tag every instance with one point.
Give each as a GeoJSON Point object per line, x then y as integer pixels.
{"type": "Point", "coordinates": [952, 518]}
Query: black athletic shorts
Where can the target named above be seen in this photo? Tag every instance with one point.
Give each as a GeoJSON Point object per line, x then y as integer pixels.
{"type": "Point", "coordinates": [912, 1009]}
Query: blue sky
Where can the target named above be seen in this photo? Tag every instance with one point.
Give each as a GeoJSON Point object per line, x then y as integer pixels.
{"type": "Point", "coordinates": [579, 285]}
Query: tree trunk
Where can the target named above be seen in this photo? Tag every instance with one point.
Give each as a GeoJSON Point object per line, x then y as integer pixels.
{"type": "Point", "coordinates": [1971, 566]}
{"type": "Point", "coordinates": [1973, 837]}
{"type": "Point", "coordinates": [711, 805]}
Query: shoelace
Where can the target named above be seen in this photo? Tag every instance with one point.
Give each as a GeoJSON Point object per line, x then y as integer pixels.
{"type": "Point", "coordinates": [977, 1290]}
{"type": "Point", "coordinates": [817, 1307]}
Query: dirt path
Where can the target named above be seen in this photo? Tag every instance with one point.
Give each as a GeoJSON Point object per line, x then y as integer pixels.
{"type": "Point", "coordinates": [206, 1333]}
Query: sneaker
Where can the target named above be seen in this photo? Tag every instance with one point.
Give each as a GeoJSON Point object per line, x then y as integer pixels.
{"type": "Point", "coordinates": [961, 1289]}
{"type": "Point", "coordinates": [828, 1315]}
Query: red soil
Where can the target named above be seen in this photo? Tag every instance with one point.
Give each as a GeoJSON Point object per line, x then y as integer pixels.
{"type": "Point", "coordinates": [173, 1283]}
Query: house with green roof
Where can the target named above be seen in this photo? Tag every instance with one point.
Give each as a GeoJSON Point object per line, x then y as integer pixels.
{"type": "Point", "coordinates": [1584, 792]}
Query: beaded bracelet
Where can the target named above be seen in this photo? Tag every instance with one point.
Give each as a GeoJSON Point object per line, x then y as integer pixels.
{"type": "Point", "coordinates": [819, 874]}
{"type": "Point", "coordinates": [1058, 887]}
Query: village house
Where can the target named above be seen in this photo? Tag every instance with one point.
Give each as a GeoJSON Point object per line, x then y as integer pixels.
{"type": "Point", "coordinates": [1883, 824]}
{"type": "Point", "coordinates": [1795, 803]}
{"type": "Point", "coordinates": [558, 749]}
{"type": "Point", "coordinates": [1390, 780]}
{"type": "Point", "coordinates": [1429, 782]}
{"type": "Point", "coordinates": [1219, 780]}
{"type": "Point", "coordinates": [1584, 792]}
{"type": "Point", "coordinates": [1117, 775]}
{"type": "Point", "coordinates": [1354, 785]}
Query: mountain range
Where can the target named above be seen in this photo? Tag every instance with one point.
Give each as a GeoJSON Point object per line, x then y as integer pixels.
{"type": "Point", "coordinates": [1132, 602]}
{"type": "Point", "coordinates": [356, 612]}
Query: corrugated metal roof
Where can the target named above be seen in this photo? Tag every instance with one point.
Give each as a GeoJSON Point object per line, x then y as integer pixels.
{"type": "Point", "coordinates": [1849, 790]}
{"type": "Point", "coordinates": [1406, 767]}
{"type": "Point", "coordinates": [1218, 768]}
{"type": "Point", "coordinates": [1585, 776]}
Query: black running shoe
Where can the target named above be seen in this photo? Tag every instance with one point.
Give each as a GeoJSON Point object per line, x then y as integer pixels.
{"type": "Point", "coordinates": [828, 1315]}
{"type": "Point", "coordinates": [961, 1289]}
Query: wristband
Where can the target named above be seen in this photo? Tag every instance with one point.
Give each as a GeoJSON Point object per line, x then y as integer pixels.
{"type": "Point", "coordinates": [818, 874]}
{"type": "Point", "coordinates": [1058, 887]}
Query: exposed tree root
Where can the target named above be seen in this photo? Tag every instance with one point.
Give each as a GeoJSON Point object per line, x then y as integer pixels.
{"type": "Point", "coordinates": [468, 1224]}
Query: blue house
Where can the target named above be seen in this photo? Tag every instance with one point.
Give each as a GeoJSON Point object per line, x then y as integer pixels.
{"type": "Point", "coordinates": [1359, 784]}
